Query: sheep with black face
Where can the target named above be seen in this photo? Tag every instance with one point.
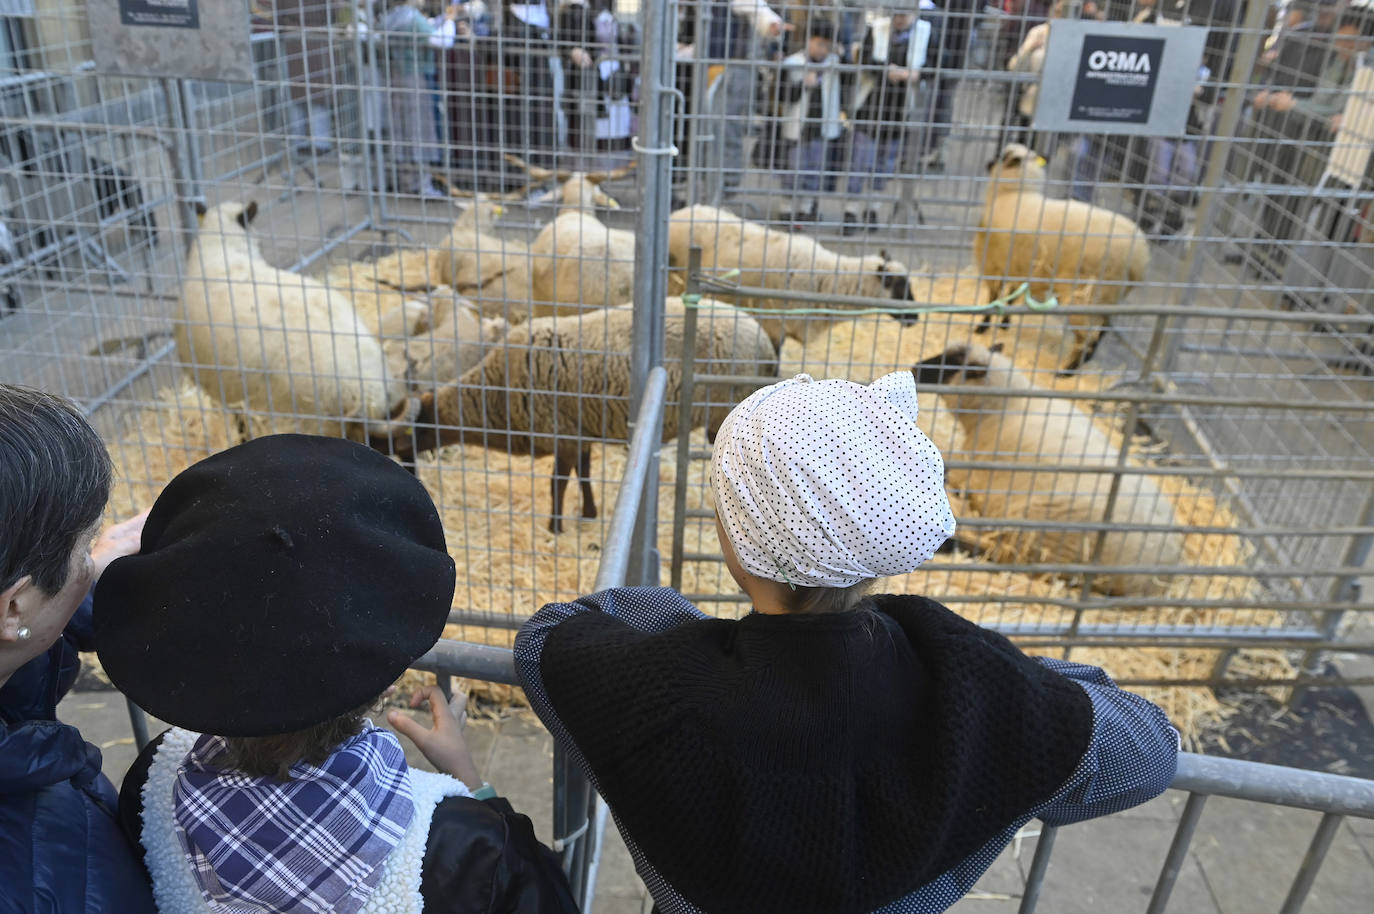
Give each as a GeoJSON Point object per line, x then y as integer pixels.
{"type": "Point", "coordinates": [780, 260]}
{"type": "Point", "coordinates": [1037, 431]}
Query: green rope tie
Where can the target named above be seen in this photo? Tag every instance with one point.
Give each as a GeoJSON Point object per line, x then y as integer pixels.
{"type": "Point", "coordinates": [1000, 305]}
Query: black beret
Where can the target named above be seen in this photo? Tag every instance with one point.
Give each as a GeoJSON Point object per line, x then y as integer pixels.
{"type": "Point", "coordinates": [280, 583]}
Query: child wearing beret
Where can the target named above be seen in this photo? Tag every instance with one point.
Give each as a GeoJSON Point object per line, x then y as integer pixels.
{"type": "Point", "coordinates": [281, 587]}
{"type": "Point", "coordinates": [833, 751]}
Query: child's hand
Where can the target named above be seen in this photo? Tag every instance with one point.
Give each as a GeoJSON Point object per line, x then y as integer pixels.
{"type": "Point", "coordinates": [122, 539]}
{"type": "Point", "coordinates": [443, 745]}
{"type": "Point", "coordinates": [811, 80]}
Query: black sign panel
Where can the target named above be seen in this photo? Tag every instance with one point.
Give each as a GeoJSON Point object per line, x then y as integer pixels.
{"type": "Point", "coordinates": [176, 14]}
{"type": "Point", "coordinates": [1116, 79]}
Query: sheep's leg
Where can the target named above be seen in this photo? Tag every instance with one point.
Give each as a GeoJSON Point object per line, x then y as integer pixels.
{"type": "Point", "coordinates": [986, 323]}
{"type": "Point", "coordinates": [562, 468]}
{"type": "Point", "coordinates": [1085, 351]}
{"type": "Point", "coordinates": [584, 476]}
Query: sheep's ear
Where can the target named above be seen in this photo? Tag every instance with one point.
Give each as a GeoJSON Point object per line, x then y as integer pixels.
{"type": "Point", "coordinates": [200, 208]}
{"type": "Point", "coordinates": [995, 347]}
{"type": "Point", "coordinates": [992, 163]}
{"type": "Point", "coordinates": [248, 213]}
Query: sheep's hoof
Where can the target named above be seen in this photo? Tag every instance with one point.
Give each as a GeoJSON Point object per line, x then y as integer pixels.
{"type": "Point", "coordinates": [982, 328]}
{"type": "Point", "coordinates": [589, 513]}
{"type": "Point", "coordinates": [555, 525]}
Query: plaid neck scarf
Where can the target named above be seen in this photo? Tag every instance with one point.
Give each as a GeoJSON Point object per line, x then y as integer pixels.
{"type": "Point", "coordinates": [315, 843]}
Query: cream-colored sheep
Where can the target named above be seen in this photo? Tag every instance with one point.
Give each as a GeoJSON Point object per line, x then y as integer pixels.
{"type": "Point", "coordinates": [455, 341]}
{"type": "Point", "coordinates": [1035, 430]}
{"type": "Point", "coordinates": [275, 341]}
{"type": "Point", "coordinates": [577, 263]}
{"type": "Point", "coordinates": [780, 260]}
{"type": "Point", "coordinates": [387, 311]}
{"type": "Point", "coordinates": [558, 383]}
{"type": "Point", "coordinates": [1083, 254]}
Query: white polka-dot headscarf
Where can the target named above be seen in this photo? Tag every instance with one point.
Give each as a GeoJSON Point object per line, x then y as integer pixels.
{"type": "Point", "coordinates": [827, 483]}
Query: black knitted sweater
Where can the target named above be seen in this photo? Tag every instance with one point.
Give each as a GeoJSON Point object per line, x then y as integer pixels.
{"type": "Point", "coordinates": [829, 763]}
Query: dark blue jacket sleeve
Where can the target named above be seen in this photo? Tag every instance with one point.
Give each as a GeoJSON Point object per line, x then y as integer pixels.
{"type": "Point", "coordinates": [1130, 759]}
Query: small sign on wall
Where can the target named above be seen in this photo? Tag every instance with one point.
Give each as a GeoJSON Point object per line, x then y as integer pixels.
{"type": "Point", "coordinates": [175, 14]}
{"type": "Point", "coordinates": [186, 39]}
{"type": "Point", "coordinates": [1119, 78]}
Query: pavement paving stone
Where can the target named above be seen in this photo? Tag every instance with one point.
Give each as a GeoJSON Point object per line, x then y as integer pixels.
{"type": "Point", "coordinates": [1250, 853]}
{"type": "Point", "coordinates": [1364, 842]}
{"type": "Point", "coordinates": [1112, 864]}
{"type": "Point", "coordinates": [617, 874]}
{"type": "Point", "coordinates": [521, 770]}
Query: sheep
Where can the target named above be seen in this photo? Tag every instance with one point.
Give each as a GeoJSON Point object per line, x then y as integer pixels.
{"type": "Point", "coordinates": [1083, 254]}
{"type": "Point", "coordinates": [559, 381]}
{"type": "Point", "coordinates": [468, 259]}
{"type": "Point", "coordinates": [1050, 430]}
{"type": "Point", "coordinates": [576, 189]}
{"type": "Point", "coordinates": [452, 342]}
{"type": "Point", "coordinates": [576, 260]}
{"type": "Point", "coordinates": [386, 310]}
{"type": "Point", "coordinates": [275, 340]}
{"type": "Point", "coordinates": [783, 261]}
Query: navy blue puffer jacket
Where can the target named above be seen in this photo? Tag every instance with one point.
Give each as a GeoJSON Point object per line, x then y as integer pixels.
{"type": "Point", "coordinates": [61, 848]}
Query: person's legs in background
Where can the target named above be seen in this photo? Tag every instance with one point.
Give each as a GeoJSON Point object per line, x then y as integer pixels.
{"type": "Point", "coordinates": [863, 159]}
{"type": "Point", "coordinates": [738, 86]}
{"type": "Point", "coordinates": [803, 180]}
{"type": "Point", "coordinates": [942, 115]}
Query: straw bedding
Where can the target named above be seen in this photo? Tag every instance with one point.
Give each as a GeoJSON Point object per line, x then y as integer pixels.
{"type": "Point", "coordinates": [495, 509]}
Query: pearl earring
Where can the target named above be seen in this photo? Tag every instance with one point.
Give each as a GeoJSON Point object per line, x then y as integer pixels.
{"type": "Point", "coordinates": [24, 633]}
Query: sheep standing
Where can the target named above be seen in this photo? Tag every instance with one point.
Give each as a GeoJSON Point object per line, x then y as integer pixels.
{"type": "Point", "coordinates": [1083, 254]}
{"type": "Point", "coordinates": [451, 342]}
{"type": "Point", "coordinates": [1050, 431]}
{"type": "Point", "coordinates": [783, 261]}
{"type": "Point", "coordinates": [273, 340]}
{"type": "Point", "coordinates": [578, 262]}
{"type": "Point", "coordinates": [559, 381]}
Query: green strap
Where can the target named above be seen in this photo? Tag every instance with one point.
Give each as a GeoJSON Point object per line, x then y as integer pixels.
{"type": "Point", "coordinates": [999, 305]}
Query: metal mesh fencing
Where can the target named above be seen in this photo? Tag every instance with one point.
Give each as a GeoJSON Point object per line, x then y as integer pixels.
{"type": "Point", "coordinates": [198, 261]}
{"type": "Point", "coordinates": [1164, 466]}
{"type": "Point", "coordinates": [1145, 359]}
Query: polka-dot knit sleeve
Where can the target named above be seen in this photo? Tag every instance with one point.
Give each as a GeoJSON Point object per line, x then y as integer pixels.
{"type": "Point", "coordinates": [650, 609]}
{"type": "Point", "coordinates": [1131, 758]}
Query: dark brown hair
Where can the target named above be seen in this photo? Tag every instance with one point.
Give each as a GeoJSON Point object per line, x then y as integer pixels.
{"type": "Point", "coordinates": [816, 600]}
{"type": "Point", "coordinates": [273, 756]}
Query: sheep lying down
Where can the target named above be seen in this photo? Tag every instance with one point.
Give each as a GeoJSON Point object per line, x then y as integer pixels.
{"type": "Point", "coordinates": [1050, 431]}
{"type": "Point", "coordinates": [558, 383]}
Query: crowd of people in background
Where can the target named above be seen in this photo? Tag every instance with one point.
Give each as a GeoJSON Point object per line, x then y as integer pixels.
{"type": "Point", "coordinates": [835, 96]}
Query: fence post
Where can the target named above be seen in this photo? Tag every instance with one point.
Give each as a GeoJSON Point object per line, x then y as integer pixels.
{"type": "Point", "coordinates": [655, 147]}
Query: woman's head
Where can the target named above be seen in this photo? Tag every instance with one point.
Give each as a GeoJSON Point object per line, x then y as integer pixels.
{"type": "Point", "coordinates": [54, 481]}
{"type": "Point", "coordinates": [282, 583]}
{"type": "Point", "coordinates": [827, 485]}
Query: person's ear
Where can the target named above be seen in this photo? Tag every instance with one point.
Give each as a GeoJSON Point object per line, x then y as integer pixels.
{"type": "Point", "coordinates": [12, 609]}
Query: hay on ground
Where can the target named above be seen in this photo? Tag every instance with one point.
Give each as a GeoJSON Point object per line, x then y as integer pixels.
{"type": "Point", "coordinates": [495, 511]}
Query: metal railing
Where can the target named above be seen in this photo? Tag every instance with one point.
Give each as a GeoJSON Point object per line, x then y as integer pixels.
{"type": "Point", "coordinates": [1335, 796]}
{"type": "Point", "coordinates": [579, 814]}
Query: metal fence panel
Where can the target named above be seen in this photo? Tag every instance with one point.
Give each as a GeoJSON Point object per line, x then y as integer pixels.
{"type": "Point", "coordinates": [1187, 502]}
